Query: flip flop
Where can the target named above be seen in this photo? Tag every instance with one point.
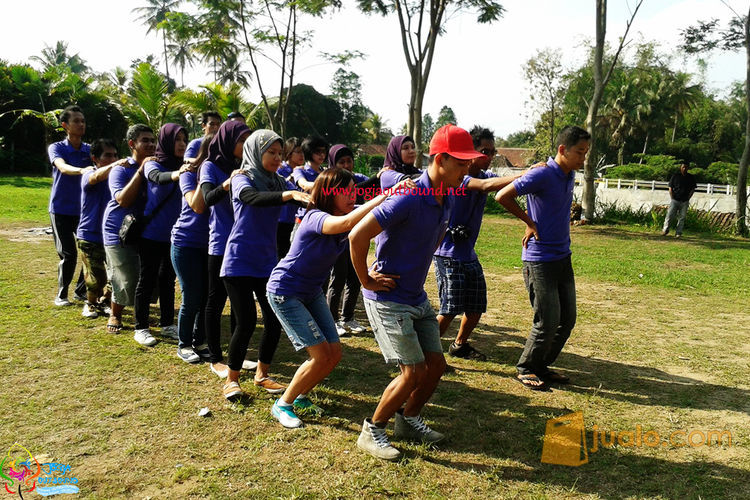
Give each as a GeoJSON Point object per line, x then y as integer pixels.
{"type": "Point", "coordinates": [555, 377]}
{"type": "Point", "coordinates": [526, 379]}
{"type": "Point", "coordinates": [114, 327]}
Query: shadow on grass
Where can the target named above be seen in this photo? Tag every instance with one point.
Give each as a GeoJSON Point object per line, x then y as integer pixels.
{"type": "Point", "coordinates": [708, 240]}
{"type": "Point", "coordinates": [25, 182]}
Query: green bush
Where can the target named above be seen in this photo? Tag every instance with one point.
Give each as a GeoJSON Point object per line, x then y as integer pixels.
{"type": "Point", "coordinates": [368, 164]}
{"type": "Point", "coordinates": [653, 168]}
{"type": "Point", "coordinates": [721, 172]}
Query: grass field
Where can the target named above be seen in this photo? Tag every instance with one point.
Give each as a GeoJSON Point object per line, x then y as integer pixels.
{"type": "Point", "coordinates": [662, 344]}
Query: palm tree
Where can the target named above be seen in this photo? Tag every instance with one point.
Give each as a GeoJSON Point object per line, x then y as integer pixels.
{"type": "Point", "coordinates": [148, 100]}
{"type": "Point", "coordinates": [58, 56]}
{"type": "Point", "coordinates": [152, 15]}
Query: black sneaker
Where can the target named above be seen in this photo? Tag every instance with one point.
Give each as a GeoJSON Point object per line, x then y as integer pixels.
{"type": "Point", "coordinates": [465, 351]}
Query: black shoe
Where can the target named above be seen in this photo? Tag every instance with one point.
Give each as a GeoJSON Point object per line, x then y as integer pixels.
{"type": "Point", "coordinates": [465, 351]}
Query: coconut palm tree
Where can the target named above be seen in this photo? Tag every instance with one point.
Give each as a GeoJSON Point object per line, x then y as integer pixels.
{"type": "Point", "coordinates": [152, 15]}
{"type": "Point", "coordinates": [58, 56]}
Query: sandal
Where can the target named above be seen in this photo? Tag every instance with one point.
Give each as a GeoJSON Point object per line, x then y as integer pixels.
{"type": "Point", "coordinates": [527, 380]}
{"type": "Point", "coordinates": [114, 327]}
{"type": "Point", "coordinates": [556, 378]}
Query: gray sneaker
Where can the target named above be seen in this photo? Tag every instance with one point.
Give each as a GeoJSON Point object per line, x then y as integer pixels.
{"type": "Point", "coordinates": [170, 332]}
{"type": "Point", "coordinates": [415, 428]}
{"type": "Point", "coordinates": [188, 355]}
{"type": "Point", "coordinates": [373, 440]}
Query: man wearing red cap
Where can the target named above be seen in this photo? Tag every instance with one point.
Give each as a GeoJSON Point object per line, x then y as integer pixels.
{"type": "Point", "coordinates": [407, 230]}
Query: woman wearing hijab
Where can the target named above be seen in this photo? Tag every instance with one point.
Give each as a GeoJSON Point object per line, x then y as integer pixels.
{"type": "Point", "coordinates": [343, 277]}
{"type": "Point", "coordinates": [294, 288]}
{"type": "Point", "coordinates": [189, 259]}
{"type": "Point", "coordinates": [399, 161]}
{"type": "Point", "coordinates": [162, 209]}
{"type": "Point", "coordinates": [258, 194]}
{"type": "Point", "coordinates": [224, 155]}
{"type": "Point", "coordinates": [293, 158]}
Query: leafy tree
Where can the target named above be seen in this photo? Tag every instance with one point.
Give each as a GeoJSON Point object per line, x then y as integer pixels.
{"type": "Point", "coordinates": [180, 29]}
{"type": "Point", "coordinates": [445, 117]}
{"type": "Point", "coordinates": [521, 139]}
{"type": "Point", "coordinates": [544, 75]}
{"type": "Point", "coordinates": [152, 15]}
{"type": "Point", "coordinates": [149, 99]}
{"type": "Point", "coordinates": [707, 37]}
{"type": "Point", "coordinates": [57, 56]}
{"type": "Point", "coordinates": [346, 88]}
{"type": "Point", "coordinates": [420, 23]}
{"type": "Point", "coordinates": [429, 129]}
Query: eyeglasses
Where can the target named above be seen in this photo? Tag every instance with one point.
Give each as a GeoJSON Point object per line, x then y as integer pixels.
{"type": "Point", "coordinates": [488, 152]}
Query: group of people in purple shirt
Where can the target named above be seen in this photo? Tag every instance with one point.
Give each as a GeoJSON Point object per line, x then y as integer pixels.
{"type": "Point", "coordinates": [248, 216]}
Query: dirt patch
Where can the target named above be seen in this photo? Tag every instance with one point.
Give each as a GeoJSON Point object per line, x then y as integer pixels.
{"type": "Point", "coordinates": [27, 234]}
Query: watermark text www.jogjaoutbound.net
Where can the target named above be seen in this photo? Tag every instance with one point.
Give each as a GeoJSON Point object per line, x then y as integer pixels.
{"type": "Point", "coordinates": [371, 192]}
{"type": "Point", "coordinates": [565, 440]}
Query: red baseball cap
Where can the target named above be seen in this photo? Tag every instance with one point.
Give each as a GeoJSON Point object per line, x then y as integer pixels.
{"type": "Point", "coordinates": [454, 141]}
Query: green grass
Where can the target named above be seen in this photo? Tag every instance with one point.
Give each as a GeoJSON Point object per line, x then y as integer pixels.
{"type": "Point", "coordinates": [666, 351]}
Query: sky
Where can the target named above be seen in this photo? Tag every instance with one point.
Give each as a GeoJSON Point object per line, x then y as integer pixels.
{"type": "Point", "coordinates": [477, 69]}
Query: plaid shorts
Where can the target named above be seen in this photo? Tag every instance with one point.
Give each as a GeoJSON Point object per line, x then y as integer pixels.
{"type": "Point", "coordinates": [94, 267]}
{"type": "Point", "coordinates": [461, 286]}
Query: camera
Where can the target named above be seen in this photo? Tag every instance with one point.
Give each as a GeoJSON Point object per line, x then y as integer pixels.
{"type": "Point", "coordinates": [459, 233]}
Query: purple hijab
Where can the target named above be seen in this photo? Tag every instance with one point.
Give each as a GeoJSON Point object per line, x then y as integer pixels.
{"type": "Point", "coordinates": [337, 152]}
{"type": "Point", "coordinates": [165, 146]}
{"type": "Point", "coordinates": [393, 156]}
{"type": "Point", "coordinates": [221, 147]}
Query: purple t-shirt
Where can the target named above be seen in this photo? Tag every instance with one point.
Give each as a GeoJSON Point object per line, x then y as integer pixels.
{"type": "Point", "coordinates": [549, 194]}
{"type": "Point", "coordinates": [289, 211]}
{"type": "Point", "coordinates": [251, 247]}
{"type": "Point", "coordinates": [359, 177]}
{"type": "Point", "coordinates": [191, 229]}
{"type": "Point", "coordinates": [413, 226]}
{"type": "Point", "coordinates": [160, 227]}
{"type": "Point", "coordinates": [310, 259]}
{"type": "Point", "coordinates": [119, 177]}
{"type": "Point", "coordinates": [94, 199]}
{"type": "Point", "coordinates": [65, 197]}
{"type": "Point", "coordinates": [468, 211]}
{"type": "Point", "coordinates": [307, 173]}
{"type": "Point", "coordinates": [193, 148]}
{"type": "Point", "coordinates": [221, 216]}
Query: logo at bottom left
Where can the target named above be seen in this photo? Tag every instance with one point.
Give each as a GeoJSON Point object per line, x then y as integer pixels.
{"type": "Point", "coordinates": [22, 473]}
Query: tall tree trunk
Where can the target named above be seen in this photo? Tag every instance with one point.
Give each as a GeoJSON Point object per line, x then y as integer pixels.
{"type": "Point", "coordinates": [166, 62]}
{"type": "Point", "coordinates": [645, 146]}
{"type": "Point", "coordinates": [741, 209]}
{"type": "Point", "coordinates": [674, 129]}
{"type": "Point", "coordinates": [621, 154]}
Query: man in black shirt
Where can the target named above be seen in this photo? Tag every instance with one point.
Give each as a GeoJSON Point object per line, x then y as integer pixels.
{"type": "Point", "coordinates": [681, 188]}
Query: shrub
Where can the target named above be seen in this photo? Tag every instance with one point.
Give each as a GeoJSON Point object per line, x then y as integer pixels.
{"type": "Point", "coordinates": [653, 168]}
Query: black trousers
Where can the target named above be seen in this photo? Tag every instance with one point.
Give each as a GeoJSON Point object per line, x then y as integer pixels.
{"type": "Point", "coordinates": [343, 279]}
{"type": "Point", "coordinates": [64, 229]}
{"type": "Point", "coordinates": [156, 267]}
{"type": "Point", "coordinates": [217, 299]}
{"type": "Point", "coordinates": [240, 290]}
{"type": "Point", "coordinates": [283, 238]}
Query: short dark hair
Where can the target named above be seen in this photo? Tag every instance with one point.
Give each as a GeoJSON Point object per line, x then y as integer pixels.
{"type": "Point", "coordinates": [325, 188]}
{"type": "Point", "coordinates": [135, 131]}
{"type": "Point", "coordinates": [290, 145]}
{"type": "Point", "coordinates": [67, 112]}
{"type": "Point", "coordinates": [479, 133]}
{"type": "Point", "coordinates": [97, 148]}
{"type": "Point", "coordinates": [571, 135]}
{"type": "Point", "coordinates": [209, 114]}
{"type": "Point", "coordinates": [235, 114]}
{"type": "Point", "coordinates": [311, 143]}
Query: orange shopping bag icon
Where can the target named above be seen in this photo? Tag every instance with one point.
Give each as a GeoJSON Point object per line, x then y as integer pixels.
{"type": "Point", "coordinates": [564, 438]}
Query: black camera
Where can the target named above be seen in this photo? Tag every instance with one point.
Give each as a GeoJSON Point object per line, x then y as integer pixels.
{"type": "Point", "coordinates": [459, 233]}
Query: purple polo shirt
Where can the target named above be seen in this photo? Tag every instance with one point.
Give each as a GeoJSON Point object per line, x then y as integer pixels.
{"type": "Point", "coordinates": [191, 229]}
{"type": "Point", "coordinates": [307, 173]}
{"type": "Point", "coordinates": [413, 226]}
{"type": "Point", "coordinates": [160, 227]}
{"type": "Point", "coordinates": [251, 247]}
{"type": "Point", "coordinates": [468, 211]}
{"type": "Point", "coordinates": [119, 177]}
{"type": "Point", "coordinates": [359, 177]}
{"type": "Point", "coordinates": [193, 148]}
{"type": "Point", "coordinates": [94, 199]}
{"type": "Point", "coordinates": [289, 211]}
{"type": "Point", "coordinates": [65, 197]}
{"type": "Point", "coordinates": [221, 216]}
{"type": "Point", "coordinates": [549, 194]}
{"type": "Point", "coordinates": [310, 259]}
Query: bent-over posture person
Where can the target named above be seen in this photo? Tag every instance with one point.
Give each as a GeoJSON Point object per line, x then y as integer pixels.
{"type": "Point", "coordinates": [547, 268]}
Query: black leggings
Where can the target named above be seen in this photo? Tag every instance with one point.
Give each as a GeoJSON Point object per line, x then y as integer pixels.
{"type": "Point", "coordinates": [217, 299]}
{"type": "Point", "coordinates": [156, 266]}
{"type": "Point", "coordinates": [343, 276]}
{"type": "Point", "coordinates": [240, 290]}
{"type": "Point", "coordinates": [283, 238]}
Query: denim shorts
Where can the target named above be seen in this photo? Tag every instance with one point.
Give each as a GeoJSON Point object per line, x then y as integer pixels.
{"type": "Point", "coordinates": [461, 286]}
{"type": "Point", "coordinates": [306, 322]}
{"type": "Point", "coordinates": [403, 332]}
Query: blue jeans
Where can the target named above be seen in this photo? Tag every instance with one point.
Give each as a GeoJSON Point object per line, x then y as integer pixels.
{"type": "Point", "coordinates": [552, 293]}
{"type": "Point", "coordinates": [191, 267]}
{"type": "Point", "coordinates": [306, 322]}
{"type": "Point", "coordinates": [678, 209]}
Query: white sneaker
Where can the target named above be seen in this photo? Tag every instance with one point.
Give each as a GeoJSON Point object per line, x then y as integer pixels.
{"type": "Point", "coordinates": [188, 355]}
{"type": "Point", "coordinates": [144, 337]}
{"type": "Point", "coordinates": [220, 373]}
{"type": "Point", "coordinates": [341, 329]}
{"type": "Point", "coordinates": [170, 332]}
{"type": "Point", "coordinates": [374, 441]}
{"type": "Point", "coordinates": [89, 311]}
{"type": "Point", "coordinates": [354, 326]}
{"type": "Point", "coordinates": [249, 365]}
{"type": "Point", "coordinates": [285, 415]}
{"type": "Point", "coordinates": [415, 428]}
{"type": "Point", "coordinates": [62, 302]}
